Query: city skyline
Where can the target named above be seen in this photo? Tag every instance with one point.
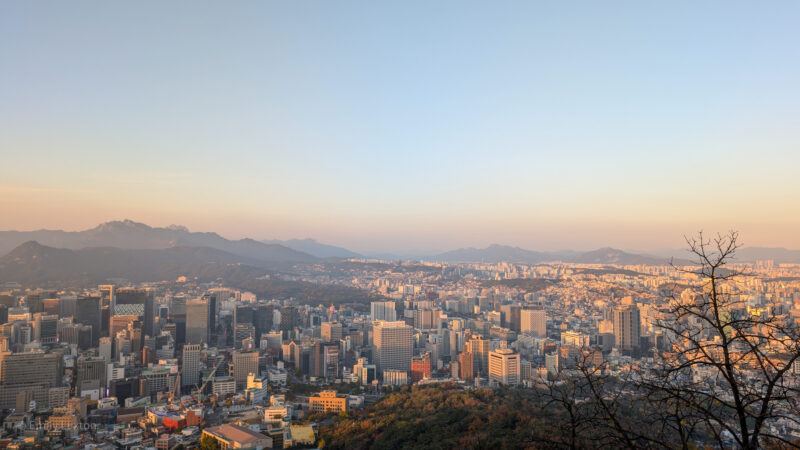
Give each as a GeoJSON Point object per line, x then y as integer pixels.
{"type": "Point", "coordinates": [414, 127]}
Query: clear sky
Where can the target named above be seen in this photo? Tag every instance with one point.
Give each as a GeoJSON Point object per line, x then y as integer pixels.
{"type": "Point", "coordinates": [406, 125]}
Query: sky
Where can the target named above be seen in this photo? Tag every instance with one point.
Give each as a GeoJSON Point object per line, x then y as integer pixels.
{"type": "Point", "coordinates": [406, 126]}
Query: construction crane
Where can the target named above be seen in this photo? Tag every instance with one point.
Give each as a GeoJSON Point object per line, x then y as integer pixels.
{"type": "Point", "coordinates": [176, 388]}
{"type": "Point", "coordinates": [210, 377]}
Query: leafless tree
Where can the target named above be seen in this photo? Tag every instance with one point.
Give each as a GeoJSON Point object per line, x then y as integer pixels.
{"type": "Point", "coordinates": [727, 364]}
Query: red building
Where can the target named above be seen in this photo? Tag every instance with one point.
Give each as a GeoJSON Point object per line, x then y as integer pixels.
{"type": "Point", "coordinates": [174, 422]}
{"type": "Point", "coordinates": [420, 367]}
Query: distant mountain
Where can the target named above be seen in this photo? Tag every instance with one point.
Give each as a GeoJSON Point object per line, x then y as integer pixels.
{"type": "Point", "coordinates": [315, 248]}
{"type": "Point", "coordinates": [33, 263]}
{"type": "Point", "coordinates": [777, 254]}
{"type": "Point", "coordinates": [494, 253]}
{"type": "Point", "coordinates": [127, 234]}
{"type": "Point", "coordinates": [502, 253]}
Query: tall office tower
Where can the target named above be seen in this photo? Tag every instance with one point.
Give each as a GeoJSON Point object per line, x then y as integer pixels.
{"type": "Point", "coordinates": [262, 320]}
{"type": "Point", "coordinates": [136, 301]}
{"type": "Point", "coordinates": [383, 311]}
{"type": "Point", "coordinates": [393, 346]}
{"type": "Point", "coordinates": [3, 314]}
{"type": "Point", "coordinates": [106, 348]}
{"type": "Point", "coordinates": [331, 331]}
{"type": "Point", "coordinates": [244, 363]}
{"type": "Point", "coordinates": [197, 321]}
{"type": "Point", "coordinates": [106, 307]}
{"type": "Point", "coordinates": [9, 301]}
{"type": "Point", "coordinates": [51, 306]}
{"type": "Point", "coordinates": [427, 319]}
{"type": "Point", "coordinates": [466, 366]}
{"type": "Point", "coordinates": [533, 321]}
{"type": "Point", "coordinates": [213, 310]}
{"type": "Point", "coordinates": [45, 328]}
{"type": "Point", "coordinates": [190, 364]}
{"type": "Point", "coordinates": [325, 360]}
{"type": "Point", "coordinates": [88, 313]}
{"type": "Point", "coordinates": [34, 372]}
{"type": "Point", "coordinates": [504, 366]}
{"type": "Point", "coordinates": [421, 367]}
{"type": "Point", "coordinates": [288, 318]}
{"type": "Point", "coordinates": [479, 347]}
{"type": "Point", "coordinates": [34, 301]}
{"type": "Point", "coordinates": [242, 315]}
{"type": "Point", "coordinates": [512, 317]}
{"type": "Point", "coordinates": [627, 327]}
{"type": "Point", "coordinates": [177, 315]}
{"type": "Point", "coordinates": [90, 370]}
{"type": "Point", "coordinates": [68, 304]}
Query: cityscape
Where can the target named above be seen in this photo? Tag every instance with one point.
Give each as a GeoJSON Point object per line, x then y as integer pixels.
{"type": "Point", "coordinates": [399, 225]}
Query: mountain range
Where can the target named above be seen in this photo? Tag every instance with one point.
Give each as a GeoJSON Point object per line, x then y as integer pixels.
{"type": "Point", "coordinates": [315, 248]}
{"type": "Point", "coordinates": [138, 252]}
{"type": "Point", "coordinates": [33, 263]}
{"type": "Point", "coordinates": [496, 253]}
{"type": "Point", "coordinates": [127, 234]}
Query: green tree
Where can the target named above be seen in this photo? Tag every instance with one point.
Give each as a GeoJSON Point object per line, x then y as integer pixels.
{"type": "Point", "coordinates": [208, 443]}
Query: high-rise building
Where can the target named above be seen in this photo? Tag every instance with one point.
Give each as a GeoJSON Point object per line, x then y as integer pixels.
{"type": "Point", "coordinates": [466, 366]}
{"type": "Point", "coordinates": [197, 321]}
{"type": "Point", "coordinates": [88, 313]}
{"type": "Point", "coordinates": [331, 331]}
{"type": "Point", "coordinates": [288, 318]}
{"type": "Point", "coordinates": [126, 298]}
{"type": "Point", "coordinates": [90, 370]}
{"type": "Point", "coordinates": [106, 348]}
{"type": "Point", "coordinates": [533, 321]}
{"type": "Point", "coordinates": [45, 328]}
{"type": "Point", "coordinates": [504, 366]}
{"type": "Point", "coordinates": [244, 363]}
{"type": "Point", "coordinates": [190, 364]}
{"type": "Point", "coordinates": [512, 317]}
{"type": "Point", "coordinates": [262, 320]}
{"type": "Point", "coordinates": [479, 347]}
{"type": "Point", "coordinates": [383, 311]}
{"type": "Point", "coordinates": [243, 315]}
{"type": "Point", "coordinates": [427, 319]}
{"type": "Point", "coordinates": [393, 346]}
{"type": "Point", "coordinates": [627, 327]}
{"type": "Point", "coordinates": [34, 372]}
{"type": "Point", "coordinates": [211, 299]}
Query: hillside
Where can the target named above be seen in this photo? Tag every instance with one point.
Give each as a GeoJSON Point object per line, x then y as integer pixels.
{"type": "Point", "coordinates": [33, 263]}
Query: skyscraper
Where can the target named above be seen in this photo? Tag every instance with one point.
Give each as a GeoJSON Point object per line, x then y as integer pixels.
{"type": "Point", "coordinates": [190, 364]}
{"type": "Point", "coordinates": [88, 313]}
{"type": "Point", "coordinates": [512, 317]}
{"type": "Point", "coordinates": [393, 346]}
{"type": "Point", "coordinates": [244, 363]}
{"type": "Point", "coordinates": [533, 321]}
{"type": "Point", "coordinates": [331, 331]}
{"type": "Point", "coordinates": [262, 320]}
{"type": "Point", "coordinates": [627, 327]}
{"type": "Point", "coordinates": [197, 321]}
{"type": "Point", "coordinates": [383, 311]}
{"type": "Point", "coordinates": [288, 319]}
{"type": "Point", "coordinates": [139, 302]}
{"type": "Point", "coordinates": [479, 347]}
